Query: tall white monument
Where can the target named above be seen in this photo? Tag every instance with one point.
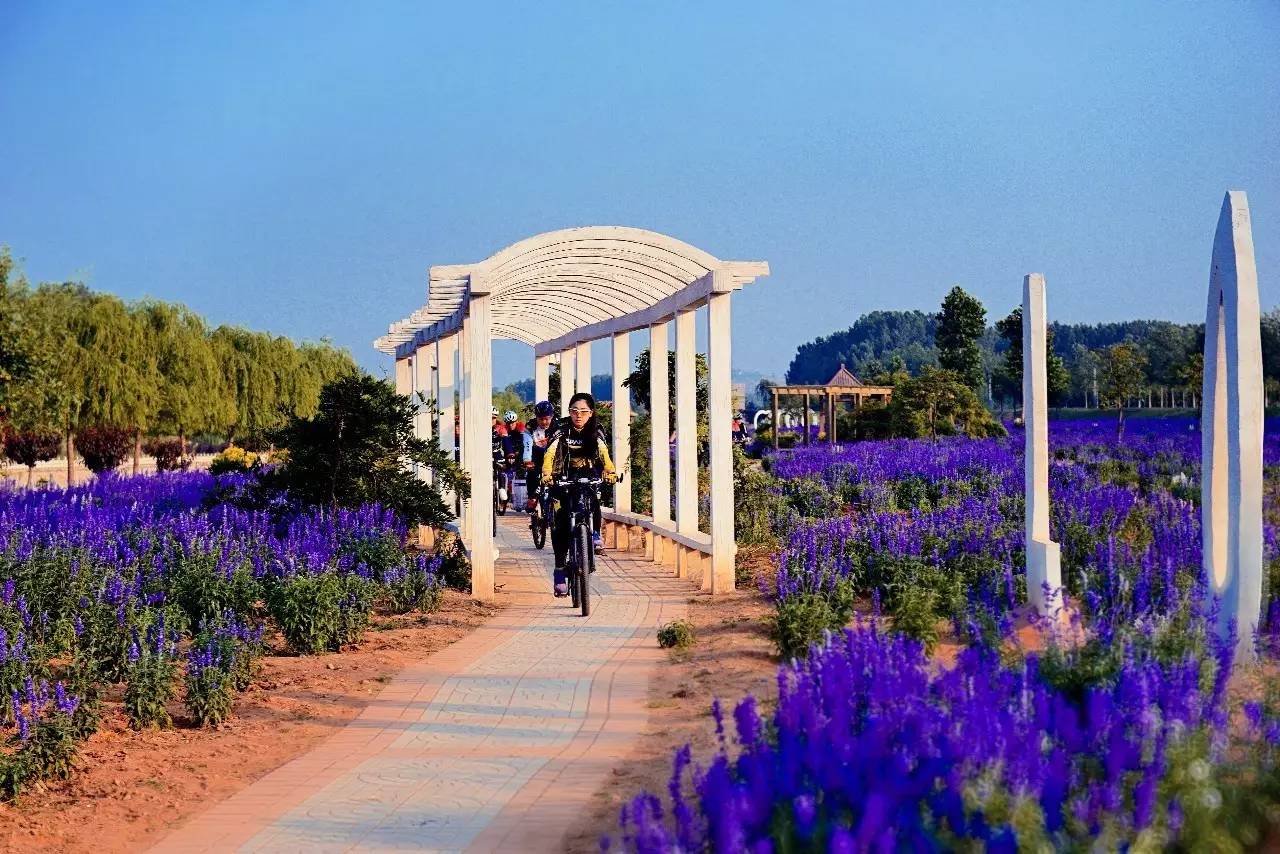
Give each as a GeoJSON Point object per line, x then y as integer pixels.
{"type": "Point", "coordinates": [1231, 427]}
{"type": "Point", "coordinates": [1044, 556]}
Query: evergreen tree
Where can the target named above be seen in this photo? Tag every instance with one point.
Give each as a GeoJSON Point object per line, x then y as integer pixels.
{"type": "Point", "coordinates": [960, 328]}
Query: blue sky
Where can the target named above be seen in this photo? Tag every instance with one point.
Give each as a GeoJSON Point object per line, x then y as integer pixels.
{"type": "Point", "coordinates": [297, 167]}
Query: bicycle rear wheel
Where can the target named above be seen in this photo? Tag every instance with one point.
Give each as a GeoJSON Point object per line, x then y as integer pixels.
{"type": "Point", "coordinates": [539, 530]}
{"type": "Point", "coordinates": [583, 545]}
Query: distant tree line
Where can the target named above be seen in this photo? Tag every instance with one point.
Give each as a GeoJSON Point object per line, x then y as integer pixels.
{"type": "Point", "coordinates": [1159, 363]}
{"type": "Point", "coordinates": [86, 366]}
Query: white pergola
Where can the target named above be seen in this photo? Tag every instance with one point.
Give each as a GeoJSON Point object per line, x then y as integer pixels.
{"type": "Point", "coordinates": [558, 292]}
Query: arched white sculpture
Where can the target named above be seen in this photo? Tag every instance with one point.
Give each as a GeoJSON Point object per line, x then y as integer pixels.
{"type": "Point", "coordinates": [1231, 427]}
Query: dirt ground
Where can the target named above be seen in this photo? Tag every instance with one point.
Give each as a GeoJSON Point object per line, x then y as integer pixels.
{"type": "Point", "coordinates": [732, 657]}
{"type": "Point", "coordinates": [131, 787]}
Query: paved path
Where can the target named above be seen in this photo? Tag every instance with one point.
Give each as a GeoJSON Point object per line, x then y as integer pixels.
{"type": "Point", "coordinates": [493, 744]}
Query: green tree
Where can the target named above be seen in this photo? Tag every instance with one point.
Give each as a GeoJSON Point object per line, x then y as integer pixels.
{"type": "Point", "coordinates": [638, 382]}
{"type": "Point", "coordinates": [182, 367]}
{"type": "Point", "coordinates": [358, 448]}
{"type": "Point", "coordinates": [1058, 379]}
{"type": "Point", "coordinates": [15, 337]}
{"type": "Point", "coordinates": [939, 403]}
{"type": "Point", "coordinates": [1121, 376]}
{"type": "Point", "coordinates": [960, 328]}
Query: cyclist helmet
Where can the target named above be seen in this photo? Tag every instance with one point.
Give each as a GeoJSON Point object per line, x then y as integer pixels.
{"type": "Point", "coordinates": [544, 409]}
{"type": "Point", "coordinates": [494, 412]}
{"type": "Point", "coordinates": [510, 416]}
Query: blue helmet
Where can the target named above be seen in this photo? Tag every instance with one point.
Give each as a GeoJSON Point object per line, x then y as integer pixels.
{"type": "Point", "coordinates": [544, 409]}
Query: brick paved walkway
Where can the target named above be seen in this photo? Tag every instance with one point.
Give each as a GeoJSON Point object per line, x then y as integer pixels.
{"type": "Point", "coordinates": [493, 744]}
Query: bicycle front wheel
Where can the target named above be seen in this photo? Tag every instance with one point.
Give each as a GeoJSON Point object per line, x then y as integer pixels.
{"type": "Point", "coordinates": [582, 544]}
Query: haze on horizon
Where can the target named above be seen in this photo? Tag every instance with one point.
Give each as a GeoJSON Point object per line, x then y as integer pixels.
{"type": "Point", "coordinates": [298, 170]}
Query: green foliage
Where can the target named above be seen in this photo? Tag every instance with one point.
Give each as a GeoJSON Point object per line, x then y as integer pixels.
{"type": "Point", "coordinates": [210, 695]}
{"type": "Point", "coordinates": [960, 327]}
{"type": "Point", "coordinates": [1010, 374]}
{"type": "Point", "coordinates": [638, 382]}
{"type": "Point", "coordinates": [48, 754]}
{"type": "Point", "coordinates": [1121, 376]}
{"type": "Point", "coordinates": [104, 448]}
{"type": "Point", "coordinates": [319, 613]}
{"type": "Point", "coordinates": [677, 635]}
{"type": "Point", "coordinates": [866, 346]}
{"type": "Point", "coordinates": [756, 494]}
{"type": "Point", "coordinates": [150, 686]}
{"type": "Point", "coordinates": [358, 449]}
{"type": "Point", "coordinates": [805, 619]}
{"type": "Point", "coordinates": [938, 403]}
{"type": "Point", "coordinates": [204, 592]}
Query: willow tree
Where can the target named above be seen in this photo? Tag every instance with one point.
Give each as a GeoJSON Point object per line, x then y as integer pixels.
{"type": "Point", "coordinates": [182, 366]}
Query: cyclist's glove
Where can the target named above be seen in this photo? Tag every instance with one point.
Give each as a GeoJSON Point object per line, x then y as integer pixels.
{"type": "Point", "coordinates": [610, 477]}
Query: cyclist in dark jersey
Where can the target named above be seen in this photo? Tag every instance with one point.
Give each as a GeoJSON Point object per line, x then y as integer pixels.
{"type": "Point", "coordinates": [578, 451]}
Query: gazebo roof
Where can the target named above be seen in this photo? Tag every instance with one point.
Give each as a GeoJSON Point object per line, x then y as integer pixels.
{"type": "Point", "coordinates": [555, 285]}
{"type": "Point", "coordinates": [844, 377]}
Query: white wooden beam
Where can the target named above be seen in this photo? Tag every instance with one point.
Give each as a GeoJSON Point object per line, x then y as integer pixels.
{"type": "Point", "coordinates": [622, 419]}
{"type": "Point", "coordinates": [686, 422]}
{"type": "Point", "coordinates": [659, 422]}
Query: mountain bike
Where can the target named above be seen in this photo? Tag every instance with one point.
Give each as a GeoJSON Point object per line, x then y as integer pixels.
{"type": "Point", "coordinates": [581, 494]}
{"type": "Point", "coordinates": [540, 517]}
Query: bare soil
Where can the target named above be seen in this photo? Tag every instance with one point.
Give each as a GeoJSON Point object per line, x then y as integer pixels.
{"type": "Point", "coordinates": [130, 788]}
{"type": "Point", "coordinates": [732, 656]}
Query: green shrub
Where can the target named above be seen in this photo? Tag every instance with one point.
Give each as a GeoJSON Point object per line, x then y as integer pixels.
{"type": "Point", "coordinates": [804, 619]}
{"type": "Point", "coordinates": [210, 694]}
{"type": "Point", "coordinates": [47, 754]}
{"type": "Point", "coordinates": [915, 615]}
{"type": "Point", "coordinates": [319, 613]}
{"type": "Point", "coordinates": [151, 675]}
{"type": "Point", "coordinates": [416, 587]}
{"type": "Point", "coordinates": [677, 634]}
{"type": "Point", "coordinates": [198, 585]}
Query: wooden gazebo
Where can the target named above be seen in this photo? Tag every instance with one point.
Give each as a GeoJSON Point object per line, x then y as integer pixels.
{"type": "Point", "coordinates": [843, 385]}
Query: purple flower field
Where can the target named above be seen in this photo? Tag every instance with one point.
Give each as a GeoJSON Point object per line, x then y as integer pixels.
{"type": "Point", "coordinates": [1133, 728]}
{"type": "Point", "coordinates": [107, 582]}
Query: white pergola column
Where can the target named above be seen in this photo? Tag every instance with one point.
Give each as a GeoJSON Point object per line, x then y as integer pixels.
{"type": "Point", "coordinates": [1231, 428]}
{"type": "Point", "coordinates": [582, 367]}
{"type": "Point", "coordinates": [621, 419]}
{"type": "Point", "coordinates": [568, 363]}
{"type": "Point", "coordinates": [686, 422]}
{"type": "Point", "coordinates": [1044, 557]}
{"type": "Point", "coordinates": [404, 377]}
{"type": "Point", "coordinates": [659, 423]}
{"type": "Point", "coordinates": [479, 447]}
{"type": "Point", "coordinates": [465, 420]}
{"type": "Point", "coordinates": [541, 378]}
{"type": "Point", "coordinates": [424, 370]}
{"type": "Point", "coordinates": [446, 388]}
{"type": "Point", "coordinates": [719, 421]}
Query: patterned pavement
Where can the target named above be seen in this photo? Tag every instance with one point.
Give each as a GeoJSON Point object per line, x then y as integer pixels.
{"type": "Point", "coordinates": [493, 744]}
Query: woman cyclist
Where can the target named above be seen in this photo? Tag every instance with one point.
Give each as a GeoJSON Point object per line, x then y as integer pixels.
{"type": "Point", "coordinates": [579, 450]}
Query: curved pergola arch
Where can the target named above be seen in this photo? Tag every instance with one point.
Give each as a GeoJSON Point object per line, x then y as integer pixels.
{"type": "Point", "coordinates": [557, 292]}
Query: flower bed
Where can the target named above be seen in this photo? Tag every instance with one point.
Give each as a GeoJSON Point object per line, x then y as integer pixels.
{"type": "Point", "coordinates": [125, 580]}
{"type": "Point", "coordinates": [1120, 732]}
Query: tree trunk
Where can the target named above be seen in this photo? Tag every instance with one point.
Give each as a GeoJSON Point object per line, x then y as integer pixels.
{"type": "Point", "coordinates": [137, 452]}
{"type": "Point", "coordinates": [31, 473]}
{"type": "Point", "coordinates": [71, 458]}
{"type": "Point", "coordinates": [1120, 425]}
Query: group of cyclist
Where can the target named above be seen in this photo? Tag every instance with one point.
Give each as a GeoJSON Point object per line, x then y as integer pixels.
{"type": "Point", "coordinates": [549, 451]}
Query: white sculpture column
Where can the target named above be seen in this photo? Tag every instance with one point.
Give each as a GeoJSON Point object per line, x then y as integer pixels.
{"type": "Point", "coordinates": [686, 423]}
{"type": "Point", "coordinates": [480, 446]}
{"type": "Point", "coordinates": [719, 421]}
{"type": "Point", "coordinates": [659, 423]}
{"type": "Point", "coordinates": [541, 378]}
{"type": "Point", "coordinates": [1231, 427]}
{"type": "Point", "coordinates": [568, 361]}
{"type": "Point", "coordinates": [1044, 557]}
{"type": "Point", "coordinates": [621, 419]}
